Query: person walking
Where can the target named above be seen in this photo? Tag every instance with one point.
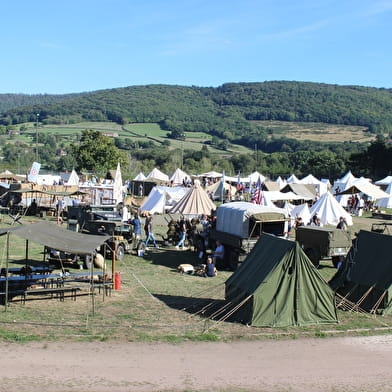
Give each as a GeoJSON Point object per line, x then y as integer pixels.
{"type": "Point", "coordinates": [148, 228]}
{"type": "Point", "coordinates": [181, 242]}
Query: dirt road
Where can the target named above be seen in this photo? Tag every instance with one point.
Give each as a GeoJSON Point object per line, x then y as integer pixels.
{"type": "Point", "coordinates": [338, 364]}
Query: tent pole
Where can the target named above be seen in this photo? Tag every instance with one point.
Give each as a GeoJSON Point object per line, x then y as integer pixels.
{"type": "Point", "coordinates": [6, 272]}
{"type": "Point", "coordinates": [92, 283]}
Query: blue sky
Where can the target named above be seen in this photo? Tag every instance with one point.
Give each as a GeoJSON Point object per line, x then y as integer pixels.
{"type": "Point", "coordinates": [58, 47]}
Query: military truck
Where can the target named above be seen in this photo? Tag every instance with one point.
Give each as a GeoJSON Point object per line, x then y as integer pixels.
{"type": "Point", "coordinates": [102, 220]}
{"type": "Point", "coordinates": [323, 242]}
{"type": "Point", "coordinates": [240, 224]}
{"type": "Point", "coordinates": [382, 228]}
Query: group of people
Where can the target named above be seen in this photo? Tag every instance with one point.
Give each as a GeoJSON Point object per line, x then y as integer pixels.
{"type": "Point", "coordinates": [148, 229]}
{"type": "Point", "coordinates": [211, 260]}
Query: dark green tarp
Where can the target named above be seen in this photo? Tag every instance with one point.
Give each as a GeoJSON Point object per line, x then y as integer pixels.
{"type": "Point", "coordinates": [55, 237]}
{"type": "Point", "coordinates": [366, 275]}
{"type": "Point", "coordinates": [284, 287]}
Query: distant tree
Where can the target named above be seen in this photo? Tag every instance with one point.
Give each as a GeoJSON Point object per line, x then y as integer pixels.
{"type": "Point", "coordinates": [96, 153]}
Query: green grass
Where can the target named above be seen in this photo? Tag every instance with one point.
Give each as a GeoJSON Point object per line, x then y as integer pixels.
{"type": "Point", "coordinates": [155, 303]}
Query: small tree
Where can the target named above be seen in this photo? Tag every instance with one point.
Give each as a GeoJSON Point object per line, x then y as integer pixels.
{"type": "Point", "coordinates": [96, 152]}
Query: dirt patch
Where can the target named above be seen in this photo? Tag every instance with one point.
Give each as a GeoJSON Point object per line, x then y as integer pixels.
{"type": "Point", "coordinates": [353, 364]}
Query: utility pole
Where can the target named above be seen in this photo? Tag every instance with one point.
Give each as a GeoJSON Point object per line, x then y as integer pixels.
{"type": "Point", "coordinates": [36, 138]}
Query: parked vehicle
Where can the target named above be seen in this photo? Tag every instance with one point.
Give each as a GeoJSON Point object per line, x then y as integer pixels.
{"type": "Point", "coordinates": [382, 228]}
{"type": "Point", "coordinates": [322, 242]}
{"type": "Point", "coordinates": [102, 220]}
{"type": "Point", "coordinates": [240, 224]}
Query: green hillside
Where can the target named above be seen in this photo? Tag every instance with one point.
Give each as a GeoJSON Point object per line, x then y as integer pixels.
{"type": "Point", "coordinates": [276, 127]}
{"type": "Point", "coordinates": [223, 111]}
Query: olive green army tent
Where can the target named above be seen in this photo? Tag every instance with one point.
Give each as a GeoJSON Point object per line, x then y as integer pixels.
{"type": "Point", "coordinates": [365, 279]}
{"type": "Point", "coordinates": [278, 286]}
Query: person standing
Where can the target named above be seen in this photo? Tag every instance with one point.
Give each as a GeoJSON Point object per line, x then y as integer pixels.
{"type": "Point", "coordinates": [342, 224]}
{"type": "Point", "coordinates": [137, 227]}
{"type": "Point", "coordinates": [59, 210]}
{"type": "Point", "coordinates": [181, 242]}
{"type": "Point", "coordinates": [148, 228]}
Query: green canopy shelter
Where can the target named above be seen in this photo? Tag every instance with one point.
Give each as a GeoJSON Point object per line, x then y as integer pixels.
{"type": "Point", "coordinates": [365, 279]}
{"type": "Point", "coordinates": [278, 286]}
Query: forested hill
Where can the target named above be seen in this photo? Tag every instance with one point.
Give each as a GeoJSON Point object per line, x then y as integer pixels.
{"type": "Point", "coordinates": [12, 101]}
{"type": "Point", "coordinates": [223, 111]}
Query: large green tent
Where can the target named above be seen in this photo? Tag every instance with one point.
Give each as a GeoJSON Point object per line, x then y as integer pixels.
{"type": "Point", "coordinates": [277, 285]}
{"type": "Point", "coordinates": [365, 279]}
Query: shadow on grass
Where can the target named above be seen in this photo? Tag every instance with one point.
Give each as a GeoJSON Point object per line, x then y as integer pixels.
{"type": "Point", "coordinates": [171, 258]}
{"type": "Point", "coordinates": [213, 309]}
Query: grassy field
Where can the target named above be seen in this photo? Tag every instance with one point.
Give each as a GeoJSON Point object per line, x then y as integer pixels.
{"type": "Point", "coordinates": [155, 303]}
{"type": "Point", "coordinates": [317, 131]}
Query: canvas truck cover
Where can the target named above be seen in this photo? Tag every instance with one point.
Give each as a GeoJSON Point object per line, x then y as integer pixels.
{"type": "Point", "coordinates": [323, 237]}
{"type": "Point", "coordinates": [234, 218]}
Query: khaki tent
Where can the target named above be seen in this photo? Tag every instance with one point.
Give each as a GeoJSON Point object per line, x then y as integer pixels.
{"type": "Point", "coordinates": [365, 279]}
{"type": "Point", "coordinates": [278, 286]}
{"type": "Point", "coordinates": [195, 202]}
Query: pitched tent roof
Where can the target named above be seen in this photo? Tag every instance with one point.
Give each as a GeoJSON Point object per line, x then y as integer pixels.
{"type": "Point", "coordinates": [53, 236]}
{"type": "Point", "coordinates": [162, 198]}
{"type": "Point", "coordinates": [279, 286]}
{"type": "Point", "coordinates": [217, 189]}
{"type": "Point", "coordinates": [361, 185]}
{"type": "Point", "coordinates": [195, 202]}
{"type": "Point", "coordinates": [305, 190]}
{"type": "Point", "coordinates": [293, 179]}
{"type": "Point", "coordinates": [386, 202]}
{"type": "Point", "coordinates": [211, 174]}
{"type": "Point", "coordinates": [140, 177]}
{"type": "Point", "coordinates": [366, 277]}
{"type": "Point", "coordinates": [178, 176]}
{"type": "Point", "coordinates": [301, 210]}
{"type": "Point", "coordinates": [73, 178]}
{"type": "Point", "coordinates": [254, 177]}
{"type": "Point", "coordinates": [156, 174]}
{"type": "Point", "coordinates": [329, 210]}
{"type": "Point", "coordinates": [384, 181]}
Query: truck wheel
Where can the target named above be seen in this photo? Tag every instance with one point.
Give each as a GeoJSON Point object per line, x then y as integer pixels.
{"type": "Point", "coordinates": [313, 256]}
{"type": "Point", "coordinates": [336, 260]}
{"type": "Point", "coordinates": [120, 252]}
{"type": "Point", "coordinates": [233, 260]}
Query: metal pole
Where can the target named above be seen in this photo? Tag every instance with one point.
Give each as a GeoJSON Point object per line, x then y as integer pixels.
{"type": "Point", "coordinates": [36, 139]}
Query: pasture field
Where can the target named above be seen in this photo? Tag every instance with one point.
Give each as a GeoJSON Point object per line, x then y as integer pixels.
{"type": "Point", "coordinates": [317, 131]}
{"type": "Point", "coordinates": [155, 303]}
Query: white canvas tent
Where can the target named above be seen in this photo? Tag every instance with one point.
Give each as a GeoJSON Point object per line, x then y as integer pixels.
{"type": "Point", "coordinates": [211, 174]}
{"type": "Point", "coordinates": [162, 198]}
{"type": "Point", "coordinates": [73, 179]}
{"type": "Point", "coordinates": [140, 177]}
{"type": "Point", "coordinates": [300, 211]}
{"type": "Point", "coordinates": [320, 187]}
{"type": "Point", "coordinates": [178, 176]}
{"type": "Point", "coordinates": [384, 181]}
{"type": "Point", "coordinates": [254, 177]}
{"type": "Point", "coordinates": [219, 189]}
{"type": "Point", "coordinates": [364, 186]}
{"type": "Point", "coordinates": [329, 210]}
{"type": "Point", "coordinates": [118, 186]}
{"type": "Point", "coordinates": [282, 196]}
{"type": "Point", "coordinates": [281, 182]}
{"type": "Point", "coordinates": [156, 174]}
{"type": "Point", "coordinates": [386, 202]}
{"type": "Point", "coordinates": [292, 179]}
